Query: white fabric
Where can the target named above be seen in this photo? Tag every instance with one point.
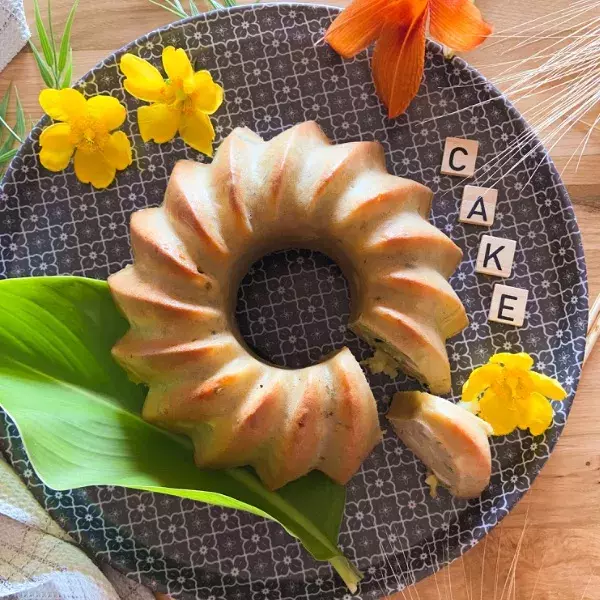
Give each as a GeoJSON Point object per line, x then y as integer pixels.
{"type": "Point", "coordinates": [38, 561]}
{"type": "Point", "coordinates": [14, 32]}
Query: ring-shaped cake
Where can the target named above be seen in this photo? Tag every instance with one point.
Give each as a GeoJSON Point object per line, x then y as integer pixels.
{"type": "Point", "coordinates": [179, 296]}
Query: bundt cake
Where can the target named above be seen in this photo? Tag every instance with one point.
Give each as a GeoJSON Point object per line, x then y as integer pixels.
{"type": "Point", "coordinates": [297, 190]}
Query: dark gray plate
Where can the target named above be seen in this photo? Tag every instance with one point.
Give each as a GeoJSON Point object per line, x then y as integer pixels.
{"type": "Point", "coordinates": [293, 306]}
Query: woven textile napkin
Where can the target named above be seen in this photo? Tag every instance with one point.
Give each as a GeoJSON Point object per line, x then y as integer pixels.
{"type": "Point", "coordinates": [14, 32]}
{"type": "Point", "coordinates": [39, 561]}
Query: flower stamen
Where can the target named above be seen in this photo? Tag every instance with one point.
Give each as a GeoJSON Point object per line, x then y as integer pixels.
{"type": "Point", "coordinates": [84, 130]}
{"type": "Point", "coordinates": [179, 102]}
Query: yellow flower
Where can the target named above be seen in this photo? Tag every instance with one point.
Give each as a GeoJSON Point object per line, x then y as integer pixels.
{"type": "Point", "coordinates": [84, 129]}
{"type": "Point", "coordinates": [508, 394]}
{"type": "Point", "coordinates": [180, 103]}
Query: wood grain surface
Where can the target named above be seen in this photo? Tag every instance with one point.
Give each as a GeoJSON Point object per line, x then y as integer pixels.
{"type": "Point", "coordinates": [558, 521]}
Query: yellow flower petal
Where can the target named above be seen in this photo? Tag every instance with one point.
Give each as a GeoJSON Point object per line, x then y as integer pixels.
{"type": "Point", "coordinates": [514, 395]}
{"type": "Point", "coordinates": [500, 414]}
{"type": "Point", "coordinates": [57, 138]}
{"type": "Point", "coordinates": [91, 167]}
{"type": "Point", "coordinates": [62, 105]}
{"type": "Point", "coordinates": [480, 379]}
{"type": "Point", "coordinates": [57, 147]}
{"type": "Point", "coordinates": [176, 63]}
{"type": "Point", "coordinates": [208, 95]}
{"type": "Point", "coordinates": [56, 160]}
{"type": "Point", "coordinates": [108, 110]}
{"type": "Point", "coordinates": [523, 407]}
{"type": "Point", "coordinates": [117, 151]}
{"type": "Point", "coordinates": [548, 387]}
{"type": "Point", "coordinates": [521, 360]}
{"type": "Point", "coordinates": [540, 414]}
{"type": "Point", "coordinates": [143, 80]}
{"type": "Point", "coordinates": [197, 131]}
{"type": "Point", "coordinates": [158, 122]}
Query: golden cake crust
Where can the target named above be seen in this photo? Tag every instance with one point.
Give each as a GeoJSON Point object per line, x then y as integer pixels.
{"type": "Point", "coordinates": [296, 190]}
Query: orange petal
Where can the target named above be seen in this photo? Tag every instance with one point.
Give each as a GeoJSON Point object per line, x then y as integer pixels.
{"type": "Point", "coordinates": [457, 24]}
{"type": "Point", "coordinates": [398, 63]}
{"type": "Point", "coordinates": [357, 26]}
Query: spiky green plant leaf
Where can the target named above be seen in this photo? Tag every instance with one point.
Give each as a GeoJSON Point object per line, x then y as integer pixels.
{"type": "Point", "coordinates": [20, 117]}
{"type": "Point", "coordinates": [54, 66]}
{"type": "Point", "coordinates": [6, 157]}
{"type": "Point", "coordinates": [168, 6]}
{"type": "Point", "coordinates": [42, 34]}
{"type": "Point", "coordinates": [18, 131]}
{"type": "Point", "coordinates": [179, 6]}
{"type": "Point", "coordinates": [67, 74]}
{"type": "Point", "coordinates": [51, 37]}
{"type": "Point", "coordinates": [4, 109]}
{"type": "Point", "coordinates": [43, 68]}
{"type": "Point", "coordinates": [10, 135]}
{"type": "Point", "coordinates": [10, 130]}
{"type": "Point", "coordinates": [215, 5]}
{"type": "Point", "coordinates": [65, 42]}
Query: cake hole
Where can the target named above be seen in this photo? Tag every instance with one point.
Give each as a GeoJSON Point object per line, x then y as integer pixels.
{"type": "Point", "coordinates": [293, 308]}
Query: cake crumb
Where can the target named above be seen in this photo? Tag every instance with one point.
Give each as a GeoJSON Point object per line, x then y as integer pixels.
{"type": "Point", "coordinates": [381, 362]}
{"type": "Point", "coordinates": [433, 482]}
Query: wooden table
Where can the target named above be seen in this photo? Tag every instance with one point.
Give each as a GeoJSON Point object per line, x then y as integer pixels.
{"type": "Point", "coordinates": [560, 550]}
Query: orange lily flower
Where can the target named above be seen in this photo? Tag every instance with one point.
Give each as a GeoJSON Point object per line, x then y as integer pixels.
{"type": "Point", "coordinates": [399, 28]}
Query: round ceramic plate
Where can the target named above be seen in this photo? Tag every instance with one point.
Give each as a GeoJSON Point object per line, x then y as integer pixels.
{"type": "Point", "coordinates": [293, 305]}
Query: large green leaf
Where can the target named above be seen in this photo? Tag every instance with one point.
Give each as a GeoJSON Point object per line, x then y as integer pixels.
{"type": "Point", "coordinates": [79, 416]}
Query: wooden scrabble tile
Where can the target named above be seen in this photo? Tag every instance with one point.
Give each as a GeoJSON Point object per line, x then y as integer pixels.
{"type": "Point", "coordinates": [508, 305]}
{"type": "Point", "coordinates": [495, 256]}
{"type": "Point", "coordinates": [459, 157]}
{"type": "Point", "coordinates": [478, 205]}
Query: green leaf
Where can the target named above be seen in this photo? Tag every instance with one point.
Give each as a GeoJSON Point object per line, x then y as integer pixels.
{"type": "Point", "coordinates": [170, 8]}
{"type": "Point", "coordinates": [41, 31]}
{"type": "Point", "coordinates": [65, 42]}
{"type": "Point", "coordinates": [67, 74]}
{"type": "Point", "coordinates": [7, 146]}
{"type": "Point", "coordinates": [52, 42]}
{"type": "Point", "coordinates": [5, 101]}
{"type": "Point", "coordinates": [45, 71]}
{"type": "Point", "coordinates": [215, 5]}
{"type": "Point", "coordinates": [6, 157]}
{"type": "Point", "coordinates": [4, 108]}
{"type": "Point", "coordinates": [79, 416]}
{"type": "Point", "coordinates": [177, 4]}
{"type": "Point", "coordinates": [18, 134]}
{"type": "Point", "coordinates": [20, 118]}
{"type": "Point", "coordinates": [194, 11]}
{"type": "Point", "coordinates": [10, 130]}
{"type": "Point", "coordinates": [230, 3]}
